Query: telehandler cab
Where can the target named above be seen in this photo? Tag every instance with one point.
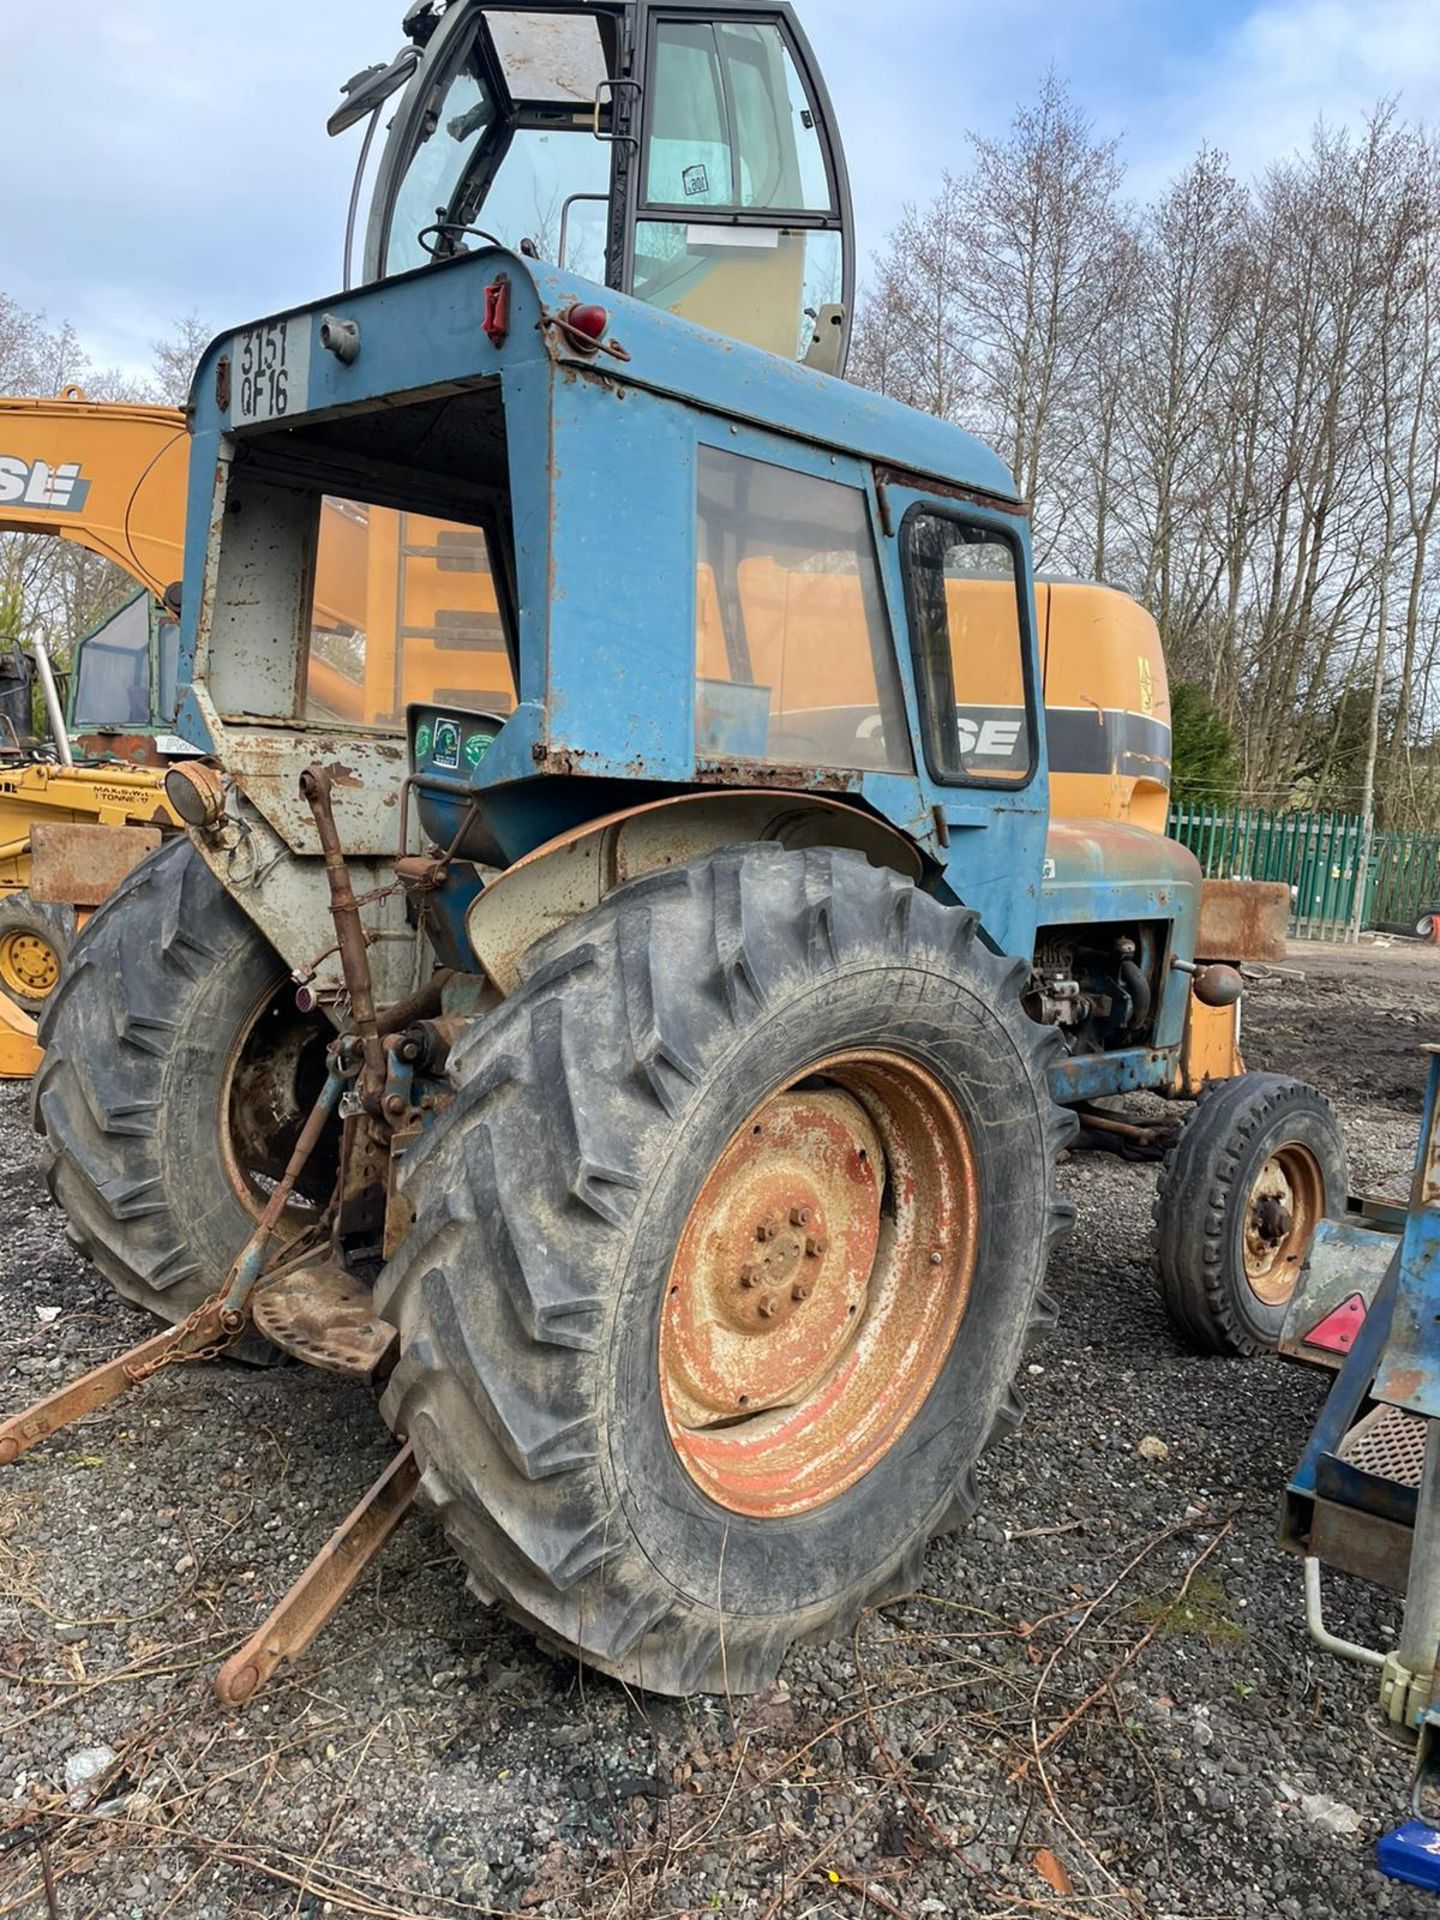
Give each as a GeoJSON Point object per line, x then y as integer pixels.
{"type": "Point", "coordinates": [663, 1103]}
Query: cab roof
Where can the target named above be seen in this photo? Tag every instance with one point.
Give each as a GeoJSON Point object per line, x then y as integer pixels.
{"type": "Point", "coordinates": [438, 311]}
{"type": "Point", "coordinates": [674, 356]}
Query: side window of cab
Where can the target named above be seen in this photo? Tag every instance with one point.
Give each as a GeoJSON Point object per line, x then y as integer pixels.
{"type": "Point", "coordinates": [794, 657]}
{"type": "Point", "coordinates": [963, 587]}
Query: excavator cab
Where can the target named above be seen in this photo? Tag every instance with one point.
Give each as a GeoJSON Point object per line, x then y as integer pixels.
{"type": "Point", "coordinates": [124, 675]}
{"type": "Point", "coordinates": [681, 153]}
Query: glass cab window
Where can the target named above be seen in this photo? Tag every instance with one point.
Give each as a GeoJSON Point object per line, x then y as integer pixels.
{"type": "Point", "coordinates": [794, 663]}
{"type": "Point", "coordinates": [734, 147]}
{"type": "Point", "coordinates": [405, 609]}
{"type": "Point", "coordinates": [969, 640]}
{"type": "Point", "coordinates": [731, 126]}
{"type": "Point", "coordinates": [501, 145]}
{"type": "Point", "coordinates": [713, 190]}
{"type": "Point", "coordinates": [112, 671]}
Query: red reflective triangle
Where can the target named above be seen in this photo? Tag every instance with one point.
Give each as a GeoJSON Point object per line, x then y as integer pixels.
{"type": "Point", "coordinates": [1338, 1331]}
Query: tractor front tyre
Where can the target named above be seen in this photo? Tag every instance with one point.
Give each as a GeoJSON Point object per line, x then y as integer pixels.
{"type": "Point", "coordinates": [35, 943]}
{"type": "Point", "coordinates": [724, 1259]}
{"type": "Point", "coordinates": [177, 1075]}
{"type": "Point", "coordinates": [1259, 1162]}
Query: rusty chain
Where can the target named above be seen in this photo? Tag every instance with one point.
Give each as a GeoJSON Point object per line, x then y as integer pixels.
{"type": "Point", "coordinates": [178, 1355]}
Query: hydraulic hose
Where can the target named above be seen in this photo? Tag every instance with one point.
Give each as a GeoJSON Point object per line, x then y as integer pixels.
{"type": "Point", "coordinates": [1141, 998]}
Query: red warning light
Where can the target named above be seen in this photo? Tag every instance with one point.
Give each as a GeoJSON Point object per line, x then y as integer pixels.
{"type": "Point", "coordinates": [593, 322]}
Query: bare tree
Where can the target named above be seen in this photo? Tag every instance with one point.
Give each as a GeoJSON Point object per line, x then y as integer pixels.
{"type": "Point", "coordinates": [1228, 402]}
{"type": "Point", "coordinates": [176, 358]}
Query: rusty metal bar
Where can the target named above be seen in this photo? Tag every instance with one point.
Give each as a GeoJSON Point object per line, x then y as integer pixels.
{"type": "Point", "coordinates": [425, 1004]}
{"type": "Point", "coordinates": [317, 787]}
{"type": "Point", "coordinates": [322, 1588]}
{"type": "Point", "coordinates": [98, 1388]}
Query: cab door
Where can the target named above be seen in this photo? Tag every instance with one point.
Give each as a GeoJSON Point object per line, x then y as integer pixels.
{"type": "Point", "coordinates": [961, 570]}
{"type": "Point", "coordinates": [738, 203]}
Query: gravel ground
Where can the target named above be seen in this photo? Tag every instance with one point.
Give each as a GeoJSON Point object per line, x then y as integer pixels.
{"type": "Point", "coordinates": [1121, 1608]}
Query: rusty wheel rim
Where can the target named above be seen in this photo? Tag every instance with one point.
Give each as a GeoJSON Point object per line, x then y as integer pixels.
{"type": "Point", "coordinates": [819, 1284]}
{"type": "Point", "coordinates": [29, 965]}
{"type": "Point", "coordinates": [1281, 1214]}
{"type": "Point", "coordinates": [269, 1084]}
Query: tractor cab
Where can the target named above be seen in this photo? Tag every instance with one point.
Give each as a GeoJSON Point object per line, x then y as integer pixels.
{"type": "Point", "coordinates": [681, 155]}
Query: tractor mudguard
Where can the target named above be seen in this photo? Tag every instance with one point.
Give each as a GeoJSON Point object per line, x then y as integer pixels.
{"type": "Point", "coordinates": [572, 874]}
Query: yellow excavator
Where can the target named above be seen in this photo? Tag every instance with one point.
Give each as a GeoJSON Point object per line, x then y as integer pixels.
{"type": "Point", "coordinates": [80, 809]}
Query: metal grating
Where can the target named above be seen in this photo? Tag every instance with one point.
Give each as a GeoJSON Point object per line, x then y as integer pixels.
{"type": "Point", "coordinates": [1388, 1444]}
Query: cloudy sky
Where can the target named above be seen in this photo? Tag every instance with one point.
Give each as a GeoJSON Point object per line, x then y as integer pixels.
{"type": "Point", "coordinates": [167, 156]}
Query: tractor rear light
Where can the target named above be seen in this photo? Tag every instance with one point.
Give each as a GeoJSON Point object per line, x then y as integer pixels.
{"type": "Point", "coordinates": [590, 322]}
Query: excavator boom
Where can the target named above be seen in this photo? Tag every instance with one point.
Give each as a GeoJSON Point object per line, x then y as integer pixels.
{"type": "Point", "coordinates": [109, 476]}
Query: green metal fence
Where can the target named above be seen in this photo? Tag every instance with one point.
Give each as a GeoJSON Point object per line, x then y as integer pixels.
{"type": "Point", "coordinates": [1320, 857]}
{"type": "Point", "coordinates": [1405, 882]}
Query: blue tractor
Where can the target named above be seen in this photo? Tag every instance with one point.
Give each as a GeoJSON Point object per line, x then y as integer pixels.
{"type": "Point", "coordinates": [648, 1072]}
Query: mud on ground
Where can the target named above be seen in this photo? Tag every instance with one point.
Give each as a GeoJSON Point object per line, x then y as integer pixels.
{"type": "Point", "coordinates": [1103, 1702]}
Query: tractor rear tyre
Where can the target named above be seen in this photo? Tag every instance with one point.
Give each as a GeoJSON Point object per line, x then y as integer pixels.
{"type": "Point", "coordinates": [1259, 1162]}
{"type": "Point", "coordinates": [724, 1259]}
{"type": "Point", "coordinates": [176, 1077]}
{"type": "Point", "coordinates": [35, 942]}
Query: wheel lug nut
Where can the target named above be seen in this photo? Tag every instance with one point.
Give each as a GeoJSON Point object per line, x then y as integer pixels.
{"type": "Point", "coordinates": [750, 1277]}
{"type": "Point", "coordinates": [769, 1307]}
{"type": "Point", "coordinates": [800, 1294]}
{"type": "Point", "coordinates": [814, 1247]}
{"type": "Point", "coordinates": [765, 1234]}
{"type": "Point", "coordinates": [800, 1216]}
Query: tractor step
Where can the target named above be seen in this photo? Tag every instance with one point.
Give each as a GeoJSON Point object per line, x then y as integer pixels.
{"type": "Point", "coordinates": [1388, 1447]}
{"type": "Point", "coordinates": [1366, 1495]}
{"type": "Point", "coordinates": [326, 1317]}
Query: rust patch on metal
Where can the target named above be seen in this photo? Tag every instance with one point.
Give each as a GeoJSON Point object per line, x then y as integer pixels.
{"type": "Point", "coordinates": [324, 1316]}
{"type": "Point", "coordinates": [1244, 920]}
{"type": "Point", "coordinates": [972, 496]}
{"type": "Point", "coordinates": [1285, 1206]}
{"type": "Point", "coordinates": [134, 749]}
{"type": "Point", "coordinates": [79, 866]}
{"type": "Point", "coordinates": [316, 785]}
{"type": "Point", "coordinates": [750, 773]}
{"type": "Point", "coordinates": [1403, 1384]}
{"type": "Point", "coordinates": [776, 1263]}
{"type": "Point", "coordinates": [819, 1284]}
